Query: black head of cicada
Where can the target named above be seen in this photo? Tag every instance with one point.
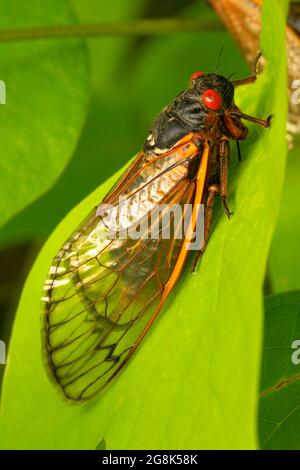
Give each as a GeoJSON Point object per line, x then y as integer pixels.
{"type": "Point", "coordinates": [215, 91]}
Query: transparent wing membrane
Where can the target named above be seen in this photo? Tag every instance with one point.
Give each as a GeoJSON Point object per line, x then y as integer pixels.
{"type": "Point", "coordinates": [101, 293]}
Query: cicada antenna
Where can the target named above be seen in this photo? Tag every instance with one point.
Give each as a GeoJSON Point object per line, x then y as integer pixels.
{"type": "Point", "coordinates": [219, 59]}
{"type": "Point", "coordinates": [231, 75]}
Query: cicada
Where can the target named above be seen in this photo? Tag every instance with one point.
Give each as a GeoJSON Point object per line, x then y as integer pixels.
{"type": "Point", "coordinates": [243, 20]}
{"type": "Point", "coordinates": [102, 293]}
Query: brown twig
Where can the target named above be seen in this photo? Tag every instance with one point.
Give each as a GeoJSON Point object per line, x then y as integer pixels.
{"type": "Point", "coordinates": [140, 28]}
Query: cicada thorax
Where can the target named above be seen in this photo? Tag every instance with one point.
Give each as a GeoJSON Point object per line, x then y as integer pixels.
{"type": "Point", "coordinates": [243, 20]}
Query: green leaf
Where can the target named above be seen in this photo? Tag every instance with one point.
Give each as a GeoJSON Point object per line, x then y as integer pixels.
{"type": "Point", "coordinates": [280, 388]}
{"type": "Point", "coordinates": [47, 99]}
{"type": "Point", "coordinates": [284, 259]}
{"type": "Point", "coordinates": [101, 445]}
{"type": "Point", "coordinates": [193, 383]}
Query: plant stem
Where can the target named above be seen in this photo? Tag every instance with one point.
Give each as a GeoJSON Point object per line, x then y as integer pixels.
{"type": "Point", "coordinates": [140, 28]}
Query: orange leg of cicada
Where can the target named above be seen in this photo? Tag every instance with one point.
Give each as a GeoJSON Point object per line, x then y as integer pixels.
{"type": "Point", "coordinates": [213, 191]}
{"type": "Point", "coordinates": [224, 156]}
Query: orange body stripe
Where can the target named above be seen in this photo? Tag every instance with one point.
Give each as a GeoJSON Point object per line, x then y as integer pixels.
{"type": "Point", "coordinates": [200, 184]}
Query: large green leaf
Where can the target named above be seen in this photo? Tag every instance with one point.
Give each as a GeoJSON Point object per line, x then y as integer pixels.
{"type": "Point", "coordinates": [279, 415]}
{"type": "Point", "coordinates": [194, 381]}
{"type": "Point", "coordinates": [46, 103]}
{"type": "Point", "coordinates": [284, 259]}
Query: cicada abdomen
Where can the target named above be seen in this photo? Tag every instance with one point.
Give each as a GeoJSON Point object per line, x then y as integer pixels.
{"type": "Point", "coordinates": [243, 20]}
{"type": "Point", "coordinates": [108, 282]}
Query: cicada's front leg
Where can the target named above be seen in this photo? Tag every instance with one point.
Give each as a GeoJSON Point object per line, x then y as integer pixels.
{"type": "Point", "coordinates": [213, 191]}
{"type": "Point", "coordinates": [224, 159]}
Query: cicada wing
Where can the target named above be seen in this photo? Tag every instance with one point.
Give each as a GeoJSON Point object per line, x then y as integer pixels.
{"type": "Point", "coordinates": [102, 292]}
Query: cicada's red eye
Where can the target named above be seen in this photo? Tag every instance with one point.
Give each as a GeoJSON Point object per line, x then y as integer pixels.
{"type": "Point", "coordinates": [195, 75]}
{"type": "Point", "coordinates": [212, 99]}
